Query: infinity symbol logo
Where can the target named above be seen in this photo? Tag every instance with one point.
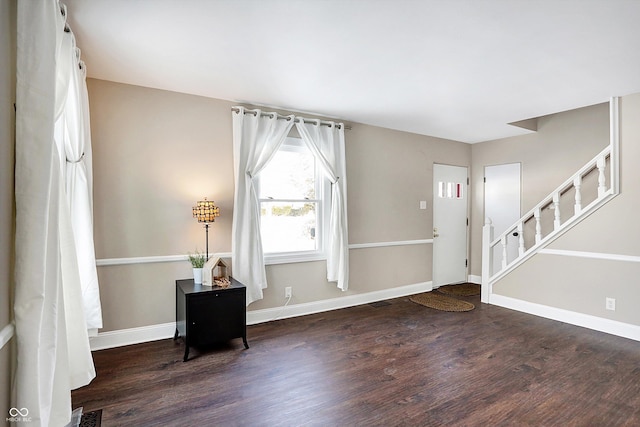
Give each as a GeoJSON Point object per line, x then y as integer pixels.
{"type": "Point", "coordinates": [14, 412]}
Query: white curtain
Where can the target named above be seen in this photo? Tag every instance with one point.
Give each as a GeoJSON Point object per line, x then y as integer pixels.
{"type": "Point", "coordinates": [53, 355]}
{"type": "Point", "coordinates": [256, 138]}
{"type": "Point", "coordinates": [326, 142]}
{"type": "Point", "coordinates": [73, 138]}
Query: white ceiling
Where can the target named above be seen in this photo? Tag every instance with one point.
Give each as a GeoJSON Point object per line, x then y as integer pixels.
{"type": "Point", "coordinates": [456, 69]}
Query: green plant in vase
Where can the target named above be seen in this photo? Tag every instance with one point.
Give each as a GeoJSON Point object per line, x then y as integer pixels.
{"type": "Point", "coordinates": [197, 261]}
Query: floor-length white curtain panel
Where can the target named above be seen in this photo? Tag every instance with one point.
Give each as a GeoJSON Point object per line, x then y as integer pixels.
{"type": "Point", "coordinates": [68, 119]}
{"type": "Point", "coordinates": [326, 142]}
{"type": "Point", "coordinates": [73, 137]}
{"type": "Point", "coordinates": [256, 138]}
{"type": "Point", "coordinates": [53, 354]}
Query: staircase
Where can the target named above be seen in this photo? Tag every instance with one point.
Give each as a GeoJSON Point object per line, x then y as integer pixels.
{"type": "Point", "coordinates": [580, 195]}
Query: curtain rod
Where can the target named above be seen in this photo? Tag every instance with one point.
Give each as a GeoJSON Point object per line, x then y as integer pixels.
{"type": "Point", "coordinates": [281, 117]}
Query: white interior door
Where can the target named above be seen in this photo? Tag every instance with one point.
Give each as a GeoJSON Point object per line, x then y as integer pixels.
{"type": "Point", "coordinates": [449, 224]}
{"type": "Point", "coordinates": [502, 187]}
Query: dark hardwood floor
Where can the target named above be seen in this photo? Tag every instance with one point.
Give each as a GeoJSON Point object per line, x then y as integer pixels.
{"type": "Point", "coordinates": [400, 364]}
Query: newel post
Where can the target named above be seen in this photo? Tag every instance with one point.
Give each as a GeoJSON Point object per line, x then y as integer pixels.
{"type": "Point", "coordinates": [487, 259]}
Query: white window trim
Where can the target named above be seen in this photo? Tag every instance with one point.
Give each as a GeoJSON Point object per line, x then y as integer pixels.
{"type": "Point", "coordinates": [323, 188]}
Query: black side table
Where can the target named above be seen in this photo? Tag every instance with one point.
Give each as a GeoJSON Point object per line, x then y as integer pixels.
{"type": "Point", "coordinates": [206, 315]}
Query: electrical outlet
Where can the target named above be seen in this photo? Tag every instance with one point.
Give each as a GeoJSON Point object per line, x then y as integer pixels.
{"type": "Point", "coordinates": [610, 304]}
{"type": "Point", "coordinates": [287, 292]}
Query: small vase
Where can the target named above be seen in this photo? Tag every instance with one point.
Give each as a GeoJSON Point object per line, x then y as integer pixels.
{"type": "Point", "coordinates": [197, 276]}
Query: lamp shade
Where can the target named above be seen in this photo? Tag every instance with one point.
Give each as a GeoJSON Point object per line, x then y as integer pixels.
{"type": "Point", "coordinates": [205, 211]}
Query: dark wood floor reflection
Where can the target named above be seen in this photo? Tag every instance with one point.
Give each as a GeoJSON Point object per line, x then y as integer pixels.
{"type": "Point", "coordinates": [398, 364]}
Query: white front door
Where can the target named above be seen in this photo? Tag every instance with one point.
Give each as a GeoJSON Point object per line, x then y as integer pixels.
{"type": "Point", "coordinates": [449, 224]}
{"type": "Point", "coordinates": [502, 206]}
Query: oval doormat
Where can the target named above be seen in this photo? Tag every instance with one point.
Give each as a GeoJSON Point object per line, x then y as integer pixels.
{"type": "Point", "coordinates": [441, 302]}
{"type": "Point", "coordinates": [460, 290]}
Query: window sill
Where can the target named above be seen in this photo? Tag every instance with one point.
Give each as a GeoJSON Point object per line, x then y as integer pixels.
{"type": "Point", "coordinates": [293, 258]}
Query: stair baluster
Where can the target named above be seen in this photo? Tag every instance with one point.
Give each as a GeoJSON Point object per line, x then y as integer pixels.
{"type": "Point", "coordinates": [536, 215]}
{"type": "Point", "coordinates": [521, 248]}
{"type": "Point", "coordinates": [504, 251]}
{"type": "Point", "coordinates": [556, 213]}
{"type": "Point", "coordinates": [577, 183]}
{"type": "Point", "coordinates": [602, 180]}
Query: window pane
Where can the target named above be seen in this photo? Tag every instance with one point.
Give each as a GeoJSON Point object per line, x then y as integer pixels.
{"type": "Point", "coordinates": [449, 190]}
{"type": "Point", "coordinates": [289, 175]}
{"type": "Point", "coordinates": [288, 227]}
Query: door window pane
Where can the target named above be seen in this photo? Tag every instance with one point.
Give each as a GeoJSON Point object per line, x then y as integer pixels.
{"type": "Point", "coordinates": [450, 190]}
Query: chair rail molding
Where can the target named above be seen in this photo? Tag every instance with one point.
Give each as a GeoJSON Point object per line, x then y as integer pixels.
{"type": "Point", "coordinates": [591, 255]}
{"type": "Point", "coordinates": [105, 262]}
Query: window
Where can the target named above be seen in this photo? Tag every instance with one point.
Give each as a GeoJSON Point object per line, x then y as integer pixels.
{"type": "Point", "coordinates": [293, 212]}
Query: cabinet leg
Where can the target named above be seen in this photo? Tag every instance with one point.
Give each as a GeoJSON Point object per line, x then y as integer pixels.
{"type": "Point", "coordinates": [186, 352]}
{"type": "Point", "coordinates": [244, 340]}
{"type": "Point", "coordinates": [176, 335]}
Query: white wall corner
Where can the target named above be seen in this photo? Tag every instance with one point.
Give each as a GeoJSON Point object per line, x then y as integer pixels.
{"type": "Point", "coordinates": [475, 279]}
{"type": "Point", "coordinates": [614, 131]}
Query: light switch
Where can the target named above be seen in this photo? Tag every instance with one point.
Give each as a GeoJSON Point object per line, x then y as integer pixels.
{"type": "Point", "coordinates": [423, 204]}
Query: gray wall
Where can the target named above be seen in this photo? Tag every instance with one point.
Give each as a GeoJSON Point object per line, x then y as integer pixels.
{"type": "Point", "coordinates": [157, 152]}
{"type": "Point", "coordinates": [7, 145]}
{"type": "Point", "coordinates": [580, 284]}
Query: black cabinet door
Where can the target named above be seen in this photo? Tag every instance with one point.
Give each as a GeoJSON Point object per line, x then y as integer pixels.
{"type": "Point", "coordinates": [216, 317]}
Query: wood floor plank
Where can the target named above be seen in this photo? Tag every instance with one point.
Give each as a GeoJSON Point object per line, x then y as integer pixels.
{"type": "Point", "coordinates": [400, 364]}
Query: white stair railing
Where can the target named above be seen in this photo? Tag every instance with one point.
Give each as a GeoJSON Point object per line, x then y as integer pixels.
{"type": "Point", "coordinates": [553, 215]}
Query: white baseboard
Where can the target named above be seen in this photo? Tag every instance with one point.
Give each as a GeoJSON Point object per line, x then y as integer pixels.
{"type": "Point", "coordinates": [130, 336]}
{"type": "Point", "coordinates": [613, 327]}
{"type": "Point", "coordinates": [474, 279]}
{"type": "Point", "coordinates": [270, 314]}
